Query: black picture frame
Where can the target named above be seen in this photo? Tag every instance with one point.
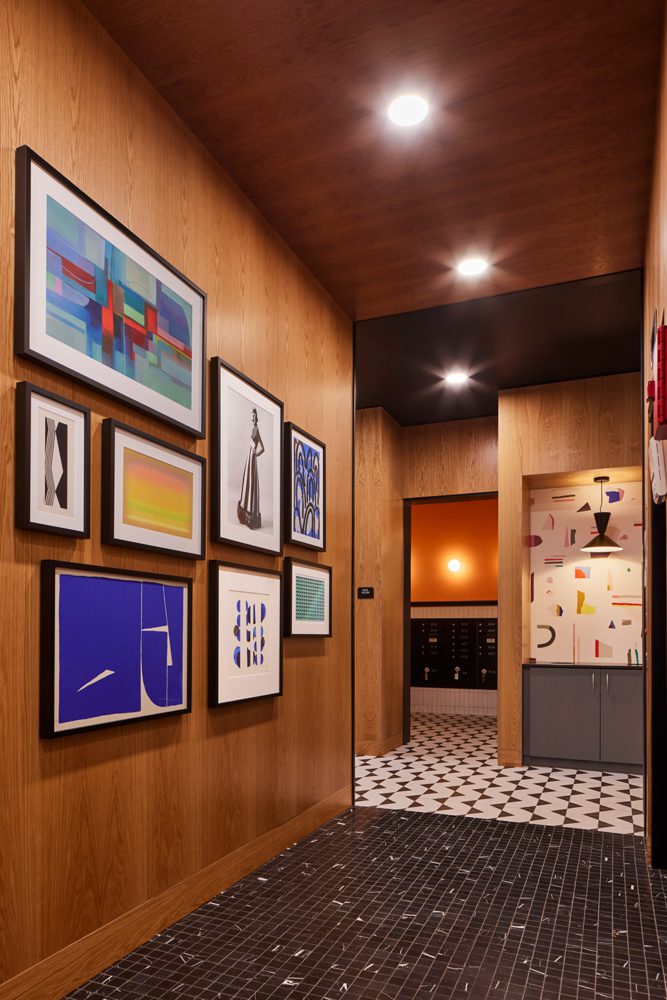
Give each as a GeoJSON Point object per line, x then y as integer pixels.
{"type": "Point", "coordinates": [25, 159]}
{"type": "Point", "coordinates": [47, 645]}
{"type": "Point", "coordinates": [23, 461]}
{"type": "Point", "coordinates": [216, 365]}
{"type": "Point", "coordinates": [289, 538]}
{"type": "Point", "coordinates": [109, 536]}
{"type": "Point", "coordinates": [289, 564]}
{"type": "Point", "coordinates": [214, 567]}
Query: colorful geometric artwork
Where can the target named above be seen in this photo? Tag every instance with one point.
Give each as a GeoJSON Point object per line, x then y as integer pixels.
{"type": "Point", "coordinates": [533, 541]}
{"type": "Point", "coordinates": [120, 647]}
{"type": "Point", "coordinates": [103, 304]}
{"type": "Point", "coordinates": [249, 634]}
{"type": "Point", "coordinates": [156, 495]}
{"type": "Point", "coordinates": [104, 307]}
{"type": "Point", "coordinates": [306, 489]}
{"type": "Point", "coordinates": [577, 594]}
{"type": "Point", "coordinates": [582, 607]}
{"type": "Point", "coordinates": [246, 644]}
{"type": "Point", "coordinates": [305, 500]}
{"type": "Point", "coordinates": [615, 496]}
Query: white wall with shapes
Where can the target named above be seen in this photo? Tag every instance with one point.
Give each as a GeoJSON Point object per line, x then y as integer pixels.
{"type": "Point", "coordinates": [583, 609]}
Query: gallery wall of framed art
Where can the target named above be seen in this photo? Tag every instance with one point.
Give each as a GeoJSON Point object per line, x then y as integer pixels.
{"type": "Point", "coordinates": [141, 787]}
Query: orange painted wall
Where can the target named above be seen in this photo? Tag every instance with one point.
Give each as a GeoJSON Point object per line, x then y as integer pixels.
{"type": "Point", "coordinates": [466, 530]}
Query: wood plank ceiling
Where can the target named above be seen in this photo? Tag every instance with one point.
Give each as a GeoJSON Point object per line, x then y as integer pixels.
{"type": "Point", "coordinates": [537, 151]}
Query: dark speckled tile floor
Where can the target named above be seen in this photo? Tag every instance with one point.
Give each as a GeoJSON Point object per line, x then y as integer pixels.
{"type": "Point", "coordinates": [382, 904]}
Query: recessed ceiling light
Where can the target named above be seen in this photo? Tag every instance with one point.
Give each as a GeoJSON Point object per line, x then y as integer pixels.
{"type": "Point", "coordinates": [472, 265]}
{"type": "Point", "coordinates": [456, 378]}
{"type": "Point", "coordinates": [454, 565]}
{"type": "Point", "coordinates": [409, 109]}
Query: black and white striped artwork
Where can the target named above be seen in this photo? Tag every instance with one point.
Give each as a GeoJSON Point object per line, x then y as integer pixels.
{"type": "Point", "coordinates": [56, 434]}
{"type": "Point", "coordinates": [52, 463]}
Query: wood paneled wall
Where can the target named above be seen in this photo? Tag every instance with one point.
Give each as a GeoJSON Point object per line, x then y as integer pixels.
{"type": "Point", "coordinates": [550, 431]}
{"type": "Point", "coordinates": [655, 303]}
{"type": "Point", "coordinates": [378, 564]}
{"type": "Point", "coordinates": [393, 463]}
{"type": "Point", "coordinates": [116, 833]}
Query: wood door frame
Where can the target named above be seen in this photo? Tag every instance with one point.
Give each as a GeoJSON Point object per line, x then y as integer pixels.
{"type": "Point", "coordinates": [408, 503]}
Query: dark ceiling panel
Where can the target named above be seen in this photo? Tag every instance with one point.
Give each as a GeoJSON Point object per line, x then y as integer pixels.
{"type": "Point", "coordinates": [580, 329]}
{"type": "Point", "coordinates": [537, 153]}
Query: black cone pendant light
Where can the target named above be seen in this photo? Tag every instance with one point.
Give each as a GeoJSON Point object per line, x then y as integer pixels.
{"type": "Point", "coordinates": [601, 544]}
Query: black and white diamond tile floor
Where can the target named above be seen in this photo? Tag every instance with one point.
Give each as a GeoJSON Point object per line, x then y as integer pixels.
{"type": "Point", "coordinates": [449, 766]}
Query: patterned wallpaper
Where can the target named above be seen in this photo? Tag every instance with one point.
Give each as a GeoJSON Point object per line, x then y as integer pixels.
{"type": "Point", "coordinates": [584, 609]}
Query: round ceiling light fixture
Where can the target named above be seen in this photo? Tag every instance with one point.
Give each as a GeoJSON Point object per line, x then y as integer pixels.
{"type": "Point", "coordinates": [454, 565]}
{"type": "Point", "coordinates": [472, 266]}
{"type": "Point", "coordinates": [456, 378]}
{"type": "Point", "coordinates": [408, 109]}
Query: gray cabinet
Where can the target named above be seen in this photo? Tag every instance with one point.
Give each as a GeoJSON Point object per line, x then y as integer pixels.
{"type": "Point", "coordinates": [564, 713]}
{"type": "Point", "coordinates": [585, 714]}
{"type": "Point", "coordinates": [621, 717]}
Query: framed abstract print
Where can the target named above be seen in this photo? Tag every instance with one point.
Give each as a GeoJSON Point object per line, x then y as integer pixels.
{"type": "Point", "coordinates": [95, 302]}
{"type": "Point", "coordinates": [115, 647]}
{"type": "Point", "coordinates": [246, 507]}
{"type": "Point", "coordinates": [153, 494]}
{"type": "Point", "coordinates": [307, 598]}
{"type": "Point", "coordinates": [52, 463]}
{"type": "Point", "coordinates": [245, 636]}
{"type": "Point", "coordinates": [305, 489]}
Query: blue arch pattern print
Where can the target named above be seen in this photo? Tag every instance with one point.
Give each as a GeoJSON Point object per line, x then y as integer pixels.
{"type": "Point", "coordinates": [306, 510]}
{"type": "Point", "coordinates": [252, 631]}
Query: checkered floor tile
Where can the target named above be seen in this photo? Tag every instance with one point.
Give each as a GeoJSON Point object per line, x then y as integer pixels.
{"type": "Point", "coordinates": [449, 766]}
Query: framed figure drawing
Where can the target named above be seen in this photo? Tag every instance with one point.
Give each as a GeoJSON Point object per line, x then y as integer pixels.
{"type": "Point", "coordinates": [52, 463]}
{"type": "Point", "coordinates": [95, 302]}
{"type": "Point", "coordinates": [246, 507]}
{"type": "Point", "coordinates": [307, 598]}
{"type": "Point", "coordinates": [115, 647]}
{"type": "Point", "coordinates": [305, 489]}
{"type": "Point", "coordinates": [245, 651]}
{"type": "Point", "coordinates": [153, 494]}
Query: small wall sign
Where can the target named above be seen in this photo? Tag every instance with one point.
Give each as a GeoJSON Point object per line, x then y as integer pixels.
{"type": "Point", "coordinates": [365, 593]}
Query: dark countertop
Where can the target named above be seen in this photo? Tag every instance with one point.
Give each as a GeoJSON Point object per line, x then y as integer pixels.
{"type": "Point", "coordinates": [588, 666]}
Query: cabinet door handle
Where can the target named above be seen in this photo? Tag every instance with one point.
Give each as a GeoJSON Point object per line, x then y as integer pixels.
{"type": "Point", "coordinates": [607, 679]}
{"type": "Point", "coordinates": [593, 681]}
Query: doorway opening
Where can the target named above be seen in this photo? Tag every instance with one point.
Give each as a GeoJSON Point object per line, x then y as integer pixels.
{"type": "Point", "coordinates": [448, 761]}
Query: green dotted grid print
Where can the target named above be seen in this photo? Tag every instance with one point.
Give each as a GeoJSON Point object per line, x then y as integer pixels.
{"type": "Point", "coordinates": [309, 599]}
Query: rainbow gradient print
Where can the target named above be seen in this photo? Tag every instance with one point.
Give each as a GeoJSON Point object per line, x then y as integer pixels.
{"type": "Point", "coordinates": [157, 496]}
